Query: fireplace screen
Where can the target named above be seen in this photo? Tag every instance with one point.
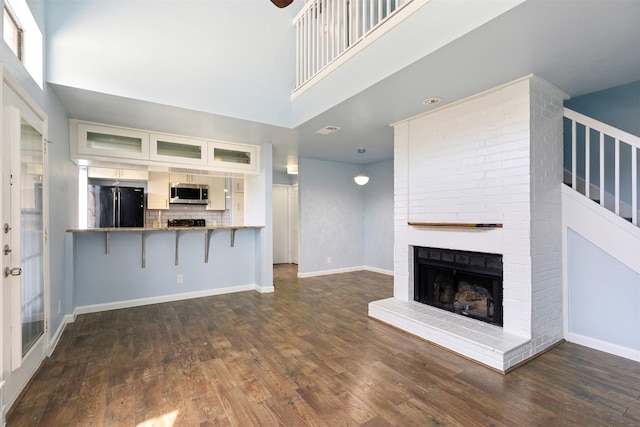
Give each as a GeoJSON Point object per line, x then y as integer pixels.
{"type": "Point", "coordinates": [466, 283]}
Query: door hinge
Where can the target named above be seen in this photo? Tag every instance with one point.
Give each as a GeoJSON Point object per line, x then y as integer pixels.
{"type": "Point", "coordinates": [46, 234]}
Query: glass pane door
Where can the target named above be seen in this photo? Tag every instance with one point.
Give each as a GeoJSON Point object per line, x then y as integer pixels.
{"type": "Point", "coordinates": [31, 236]}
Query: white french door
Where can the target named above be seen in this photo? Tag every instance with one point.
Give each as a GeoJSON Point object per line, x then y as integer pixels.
{"type": "Point", "coordinates": [23, 230]}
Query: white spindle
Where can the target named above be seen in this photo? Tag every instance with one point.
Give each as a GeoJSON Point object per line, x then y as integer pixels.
{"type": "Point", "coordinates": [325, 34]}
{"type": "Point", "coordinates": [587, 162]}
{"type": "Point", "coordinates": [331, 32]}
{"type": "Point", "coordinates": [617, 177]}
{"type": "Point", "coordinates": [634, 185]}
{"type": "Point", "coordinates": [574, 156]}
{"type": "Point", "coordinates": [326, 28]}
{"type": "Point", "coordinates": [601, 168]}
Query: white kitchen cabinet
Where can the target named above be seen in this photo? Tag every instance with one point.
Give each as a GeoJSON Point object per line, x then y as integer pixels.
{"type": "Point", "coordinates": [217, 195]}
{"type": "Point", "coordinates": [178, 149]}
{"type": "Point", "coordinates": [234, 157]}
{"type": "Point", "coordinates": [117, 173]}
{"type": "Point", "coordinates": [237, 209]}
{"type": "Point", "coordinates": [110, 142]}
{"type": "Point", "coordinates": [188, 178]}
{"type": "Point", "coordinates": [158, 190]}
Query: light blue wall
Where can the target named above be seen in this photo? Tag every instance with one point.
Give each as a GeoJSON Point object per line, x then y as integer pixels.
{"type": "Point", "coordinates": [352, 224]}
{"type": "Point", "coordinates": [102, 278]}
{"type": "Point", "coordinates": [138, 49]}
{"type": "Point", "coordinates": [378, 200]}
{"type": "Point", "coordinates": [618, 106]}
{"type": "Point", "coordinates": [63, 211]}
{"type": "Point", "coordinates": [331, 216]}
{"type": "Point", "coordinates": [604, 295]}
{"type": "Point", "coordinates": [283, 178]}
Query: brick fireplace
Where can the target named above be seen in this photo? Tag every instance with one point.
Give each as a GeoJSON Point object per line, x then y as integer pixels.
{"type": "Point", "coordinates": [483, 175]}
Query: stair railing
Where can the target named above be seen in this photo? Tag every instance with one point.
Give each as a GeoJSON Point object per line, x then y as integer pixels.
{"type": "Point", "coordinates": [603, 163]}
{"type": "Point", "coordinates": [325, 29]}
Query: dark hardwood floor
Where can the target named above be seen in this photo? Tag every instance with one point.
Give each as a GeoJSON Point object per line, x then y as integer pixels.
{"type": "Point", "coordinates": [305, 355]}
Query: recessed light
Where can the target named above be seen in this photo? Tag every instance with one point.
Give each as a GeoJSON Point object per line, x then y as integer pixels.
{"type": "Point", "coordinates": [327, 130]}
{"type": "Point", "coordinates": [431, 101]}
{"type": "Point", "coordinates": [362, 150]}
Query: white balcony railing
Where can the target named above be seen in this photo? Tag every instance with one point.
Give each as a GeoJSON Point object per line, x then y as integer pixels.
{"type": "Point", "coordinates": [325, 29]}
{"type": "Point", "coordinates": [602, 163]}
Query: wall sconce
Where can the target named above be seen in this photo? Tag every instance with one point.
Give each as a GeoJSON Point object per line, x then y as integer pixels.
{"type": "Point", "coordinates": [361, 178]}
{"type": "Point", "coordinates": [292, 169]}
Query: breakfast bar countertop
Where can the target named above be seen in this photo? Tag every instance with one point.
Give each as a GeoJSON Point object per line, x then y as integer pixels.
{"type": "Point", "coordinates": [143, 230]}
{"type": "Point", "coordinates": [139, 229]}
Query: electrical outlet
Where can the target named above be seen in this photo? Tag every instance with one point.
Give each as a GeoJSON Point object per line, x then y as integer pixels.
{"type": "Point", "coordinates": [180, 278]}
{"type": "Point", "coordinates": [328, 260]}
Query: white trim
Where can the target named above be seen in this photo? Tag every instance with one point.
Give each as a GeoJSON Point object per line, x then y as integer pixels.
{"type": "Point", "coordinates": [602, 127]}
{"type": "Point", "coordinates": [329, 272]}
{"type": "Point", "coordinates": [166, 298]}
{"type": "Point", "coordinates": [265, 290]}
{"type": "Point", "coordinates": [617, 350]}
{"type": "Point", "coordinates": [379, 270]}
{"type": "Point", "coordinates": [53, 342]}
{"type": "Point", "coordinates": [345, 270]}
{"type": "Point", "coordinates": [2, 415]}
{"type": "Point", "coordinates": [613, 234]}
{"type": "Point", "coordinates": [528, 77]}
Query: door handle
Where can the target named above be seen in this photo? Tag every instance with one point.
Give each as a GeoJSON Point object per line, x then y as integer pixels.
{"type": "Point", "coordinates": [16, 271]}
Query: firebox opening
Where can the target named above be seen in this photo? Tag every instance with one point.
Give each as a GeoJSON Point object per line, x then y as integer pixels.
{"type": "Point", "coordinates": [465, 283]}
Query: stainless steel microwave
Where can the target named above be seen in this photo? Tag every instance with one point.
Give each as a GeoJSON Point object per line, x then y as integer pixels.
{"type": "Point", "coordinates": [188, 194]}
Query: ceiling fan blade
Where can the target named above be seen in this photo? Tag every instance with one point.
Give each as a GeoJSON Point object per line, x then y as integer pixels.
{"type": "Point", "coordinates": [282, 3]}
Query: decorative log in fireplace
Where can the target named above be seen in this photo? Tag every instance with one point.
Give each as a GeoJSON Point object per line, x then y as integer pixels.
{"type": "Point", "coordinates": [466, 283]}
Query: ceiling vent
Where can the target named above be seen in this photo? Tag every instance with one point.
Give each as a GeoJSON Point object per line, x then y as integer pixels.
{"type": "Point", "coordinates": [327, 130]}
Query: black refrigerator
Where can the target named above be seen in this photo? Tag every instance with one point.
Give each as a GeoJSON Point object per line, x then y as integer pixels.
{"type": "Point", "coordinates": [112, 206]}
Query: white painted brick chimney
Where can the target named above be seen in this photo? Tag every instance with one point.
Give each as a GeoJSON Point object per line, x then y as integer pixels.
{"type": "Point", "coordinates": [495, 157]}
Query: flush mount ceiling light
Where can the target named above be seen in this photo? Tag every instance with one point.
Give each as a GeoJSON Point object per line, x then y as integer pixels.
{"type": "Point", "coordinates": [292, 169]}
{"type": "Point", "coordinates": [432, 101]}
{"type": "Point", "coordinates": [327, 130]}
{"type": "Point", "coordinates": [361, 178]}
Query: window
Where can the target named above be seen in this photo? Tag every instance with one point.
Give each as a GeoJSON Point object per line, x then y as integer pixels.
{"type": "Point", "coordinates": [23, 35]}
{"type": "Point", "coordinates": [13, 32]}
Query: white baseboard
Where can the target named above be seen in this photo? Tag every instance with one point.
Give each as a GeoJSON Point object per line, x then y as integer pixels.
{"type": "Point", "coordinates": [379, 270]}
{"type": "Point", "coordinates": [345, 270]}
{"type": "Point", "coordinates": [328, 272]}
{"type": "Point", "coordinates": [615, 349]}
{"type": "Point", "coordinates": [165, 298]}
{"type": "Point", "coordinates": [69, 318]}
{"type": "Point", "coordinates": [265, 290]}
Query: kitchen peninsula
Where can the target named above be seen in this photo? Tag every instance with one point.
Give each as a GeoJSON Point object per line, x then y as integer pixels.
{"type": "Point", "coordinates": [131, 266]}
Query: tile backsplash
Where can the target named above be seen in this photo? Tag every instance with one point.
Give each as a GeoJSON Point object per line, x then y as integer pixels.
{"type": "Point", "coordinates": [212, 218]}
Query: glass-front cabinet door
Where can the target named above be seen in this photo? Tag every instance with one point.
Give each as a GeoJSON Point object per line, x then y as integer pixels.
{"type": "Point", "coordinates": [107, 141]}
{"type": "Point", "coordinates": [234, 157]}
{"type": "Point", "coordinates": [177, 149]}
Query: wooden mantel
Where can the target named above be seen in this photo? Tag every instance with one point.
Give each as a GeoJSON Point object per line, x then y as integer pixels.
{"type": "Point", "coordinates": [454, 224]}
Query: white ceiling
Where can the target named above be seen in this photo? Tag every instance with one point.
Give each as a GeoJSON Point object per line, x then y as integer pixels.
{"type": "Point", "coordinates": [579, 46]}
